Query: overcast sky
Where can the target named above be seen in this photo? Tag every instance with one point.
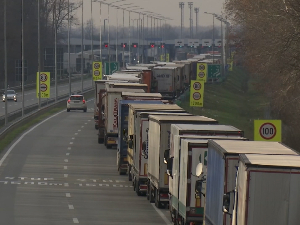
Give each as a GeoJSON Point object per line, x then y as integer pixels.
{"type": "Point", "coordinates": [167, 8]}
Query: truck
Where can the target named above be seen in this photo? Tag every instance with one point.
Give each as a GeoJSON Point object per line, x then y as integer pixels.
{"type": "Point", "coordinates": [185, 131]}
{"type": "Point", "coordinates": [147, 78]}
{"type": "Point", "coordinates": [186, 72]}
{"type": "Point", "coordinates": [109, 101]}
{"type": "Point", "coordinates": [127, 85]}
{"type": "Point", "coordinates": [159, 141]}
{"type": "Point", "coordinates": [267, 190]}
{"type": "Point", "coordinates": [134, 96]}
{"type": "Point", "coordinates": [165, 78]}
{"type": "Point", "coordinates": [223, 157]}
{"type": "Point", "coordinates": [123, 110]}
{"type": "Point", "coordinates": [140, 154]}
{"type": "Point", "coordinates": [132, 134]}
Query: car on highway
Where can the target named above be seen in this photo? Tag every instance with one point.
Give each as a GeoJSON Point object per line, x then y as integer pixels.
{"type": "Point", "coordinates": [11, 95]}
{"type": "Point", "coordinates": [76, 102]}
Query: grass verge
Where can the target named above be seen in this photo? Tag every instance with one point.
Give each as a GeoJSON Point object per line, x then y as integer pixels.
{"type": "Point", "coordinates": [9, 137]}
{"type": "Point", "coordinates": [234, 102]}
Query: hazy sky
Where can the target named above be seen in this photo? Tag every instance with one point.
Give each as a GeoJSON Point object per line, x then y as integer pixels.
{"type": "Point", "coordinates": [168, 8]}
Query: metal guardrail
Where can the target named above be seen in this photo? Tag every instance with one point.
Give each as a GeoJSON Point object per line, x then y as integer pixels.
{"type": "Point", "coordinates": [34, 107]}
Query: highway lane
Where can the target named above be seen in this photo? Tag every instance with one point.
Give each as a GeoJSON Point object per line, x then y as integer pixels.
{"type": "Point", "coordinates": [57, 173]}
{"type": "Point", "coordinates": [30, 95]}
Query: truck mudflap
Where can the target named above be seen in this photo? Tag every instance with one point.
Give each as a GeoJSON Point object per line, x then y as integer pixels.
{"type": "Point", "coordinates": [111, 139]}
{"type": "Point", "coordinates": [123, 164]}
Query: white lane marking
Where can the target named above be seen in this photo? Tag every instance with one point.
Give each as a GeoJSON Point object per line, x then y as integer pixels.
{"type": "Point", "coordinates": [73, 138]}
{"type": "Point", "coordinates": [69, 148]}
{"type": "Point", "coordinates": [89, 120]}
{"type": "Point", "coordinates": [71, 207]}
{"type": "Point", "coordinates": [65, 167]}
{"type": "Point", "coordinates": [23, 135]}
{"type": "Point", "coordinates": [66, 184]}
{"type": "Point", "coordinates": [79, 130]}
{"type": "Point", "coordinates": [27, 132]}
{"type": "Point", "coordinates": [32, 99]}
{"type": "Point", "coordinates": [85, 123]}
{"type": "Point", "coordinates": [66, 175]}
{"type": "Point", "coordinates": [82, 126]}
{"type": "Point", "coordinates": [76, 133]}
{"type": "Point", "coordinates": [3, 107]}
{"type": "Point", "coordinates": [71, 143]}
{"type": "Point", "coordinates": [75, 220]}
{"type": "Point", "coordinates": [161, 215]}
{"type": "Point", "coordinates": [66, 160]}
{"type": "Point", "coordinates": [68, 195]}
{"type": "Point", "coordinates": [67, 153]}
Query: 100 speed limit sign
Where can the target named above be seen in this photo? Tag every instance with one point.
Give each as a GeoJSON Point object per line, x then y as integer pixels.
{"type": "Point", "coordinates": [267, 131]}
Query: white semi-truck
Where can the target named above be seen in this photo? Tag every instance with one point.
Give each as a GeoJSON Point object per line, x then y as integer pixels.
{"type": "Point", "coordinates": [159, 141]}
{"type": "Point", "coordinates": [267, 190]}
{"type": "Point", "coordinates": [180, 132]}
{"type": "Point", "coordinates": [223, 157]}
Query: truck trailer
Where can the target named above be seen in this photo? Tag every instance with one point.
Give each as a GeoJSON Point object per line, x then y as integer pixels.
{"type": "Point", "coordinates": [159, 141]}
{"type": "Point", "coordinates": [268, 190]}
{"type": "Point", "coordinates": [223, 157]}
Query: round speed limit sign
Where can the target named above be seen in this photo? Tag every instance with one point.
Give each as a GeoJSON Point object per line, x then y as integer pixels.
{"type": "Point", "coordinates": [196, 96]}
{"type": "Point", "coordinates": [197, 86]}
{"type": "Point", "coordinates": [267, 131]}
{"type": "Point", "coordinates": [97, 65]}
{"type": "Point", "coordinates": [201, 74]}
{"type": "Point", "coordinates": [201, 67]}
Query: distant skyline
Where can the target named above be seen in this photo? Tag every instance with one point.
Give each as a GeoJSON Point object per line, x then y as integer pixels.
{"type": "Point", "coordinates": [167, 8]}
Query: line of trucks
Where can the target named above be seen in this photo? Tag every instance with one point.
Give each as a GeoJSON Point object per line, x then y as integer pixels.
{"type": "Point", "coordinates": [203, 171]}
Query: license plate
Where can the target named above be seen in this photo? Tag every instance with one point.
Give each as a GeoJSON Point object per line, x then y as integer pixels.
{"type": "Point", "coordinates": [76, 101]}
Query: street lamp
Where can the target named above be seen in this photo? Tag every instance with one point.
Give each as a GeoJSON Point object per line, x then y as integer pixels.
{"type": "Point", "coordinates": [213, 34]}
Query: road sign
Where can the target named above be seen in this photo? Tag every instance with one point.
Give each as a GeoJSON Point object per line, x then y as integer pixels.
{"type": "Point", "coordinates": [201, 71]}
{"type": "Point", "coordinates": [43, 87]}
{"type": "Point", "coordinates": [97, 70]}
{"type": "Point", "coordinates": [214, 71]}
{"type": "Point", "coordinates": [267, 130]}
{"type": "Point", "coordinates": [44, 79]}
{"type": "Point", "coordinates": [114, 66]}
{"type": "Point", "coordinates": [196, 93]}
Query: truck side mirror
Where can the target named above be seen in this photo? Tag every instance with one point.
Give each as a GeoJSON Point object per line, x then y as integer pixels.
{"type": "Point", "coordinates": [170, 166]}
{"type": "Point", "coordinates": [166, 155]}
{"type": "Point", "coordinates": [226, 202]}
{"type": "Point", "coordinates": [130, 143]}
{"type": "Point", "coordinates": [198, 187]}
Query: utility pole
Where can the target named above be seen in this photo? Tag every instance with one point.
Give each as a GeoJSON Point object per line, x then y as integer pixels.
{"type": "Point", "coordinates": [181, 6]}
{"type": "Point", "coordinates": [100, 34]}
{"type": "Point", "coordinates": [5, 61]}
{"type": "Point", "coordinates": [55, 50]}
{"type": "Point", "coordinates": [69, 69]}
{"type": "Point", "coordinates": [92, 38]}
{"type": "Point", "coordinates": [191, 18]}
{"type": "Point", "coordinates": [129, 40]}
{"type": "Point", "coordinates": [123, 56]}
{"type": "Point", "coordinates": [196, 11]}
{"type": "Point", "coordinates": [82, 33]}
{"type": "Point", "coordinates": [39, 56]}
{"type": "Point", "coordinates": [23, 60]}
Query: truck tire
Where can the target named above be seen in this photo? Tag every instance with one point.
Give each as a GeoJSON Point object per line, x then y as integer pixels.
{"type": "Point", "coordinates": [100, 140]}
{"type": "Point", "coordinates": [129, 173]}
{"type": "Point", "coordinates": [133, 184]}
{"type": "Point", "coordinates": [151, 195]}
{"type": "Point", "coordinates": [137, 184]}
{"type": "Point", "coordinates": [157, 202]}
{"type": "Point", "coordinates": [108, 146]}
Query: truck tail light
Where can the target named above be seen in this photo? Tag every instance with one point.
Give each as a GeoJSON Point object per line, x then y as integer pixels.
{"type": "Point", "coordinates": [69, 101]}
{"type": "Point", "coordinates": [83, 101]}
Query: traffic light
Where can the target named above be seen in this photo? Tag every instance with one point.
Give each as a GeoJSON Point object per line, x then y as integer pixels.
{"type": "Point", "coordinates": [123, 45]}
{"type": "Point", "coordinates": [152, 45]}
{"type": "Point", "coordinates": [106, 45]}
{"type": "Point", "coordinates": [162, 45]}
{"type": "Point", "coordinates": [134, 45]}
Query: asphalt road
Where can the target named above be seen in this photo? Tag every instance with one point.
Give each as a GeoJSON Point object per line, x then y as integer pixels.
{"type": "Point", "coordinates": [30, 96]}
{"type": "Point", "coordinates": [56, 173]}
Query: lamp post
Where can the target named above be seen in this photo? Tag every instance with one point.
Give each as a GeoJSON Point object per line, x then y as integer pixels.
{"type": "Point", "coordinates": [82, 33]}
{"type": "Point", "coordinates": [213, 32]}
{"type": "Point", "coordinates": [22, 60]}
{"type": "Point", "coordinates": [5, 60]}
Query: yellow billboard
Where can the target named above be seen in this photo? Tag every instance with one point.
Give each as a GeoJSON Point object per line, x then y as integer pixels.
{"type": "Point", "coordinates": [44, 84]}
{"type": "Point", "coordinates": [196, 93]}
{"type": "Point", "coordinates": [201, 71]}
{"type": "Point", "coordinates": [168, 57]}
{"type": "Point", "coordinates": [162, 57]}
{"type": "Point", "coordinates": [267, 130]}
{"type": "Point", "coordinates": [97, 70]}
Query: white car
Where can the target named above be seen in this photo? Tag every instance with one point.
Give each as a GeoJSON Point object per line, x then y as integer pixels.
{"type": "Point", "coordinates": [76, 102]}
{"type": "Point", "coordinates": [11, 95]}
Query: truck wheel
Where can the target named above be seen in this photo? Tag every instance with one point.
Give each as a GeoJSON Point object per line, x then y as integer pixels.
{"type": "Point", "coordinates": [137, 184]}
{"type": "Point", "coordinates": [151, 195]}
{"type": "Point", "coordinates": [100, 140]}
{"type": "Point", "coordinates": [129, 173]}
{"type": "Point", "coordinates": [157, 202]}
{"type": "Point", "coordinates": [108, 146]}
{"type": "Point", "coordinates": [133, 184]}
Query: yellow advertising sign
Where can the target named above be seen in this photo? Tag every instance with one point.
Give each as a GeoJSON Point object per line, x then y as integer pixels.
{"type": "Point", "coordinates": [267, 130]}
{"type": "Point", "coordinates": [168, 57]}
{"type": "Point", "coordinates": [196, 93]}
{"type": "Point", "coordinates": [201, 71]}
{"type": "Point", "coordinates": [97, 70]}
{"type": "Point", "coordinates": [162, 58]}
{"type": "Point", "coordinates": [44, 84]}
